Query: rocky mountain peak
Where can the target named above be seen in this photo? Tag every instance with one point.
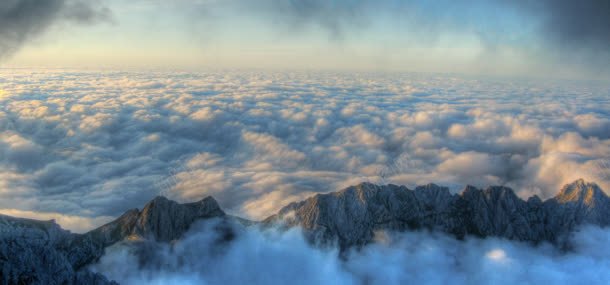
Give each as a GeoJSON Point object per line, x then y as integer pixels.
{"type": "Point", "coordinates": [432, 191]}
{"type": "Point", "coordinates": [468, 190]}
{"type": "Point", "coordinates": [361, 192]}
{"type": "Point", "coordinates": [581, 192]}
{"type": "Point", "coordinates": [166, 220]}
{"type": "Point", "coordinates": [491, 193]}
{"type": "Point", "coordinates": [431, 187]}
{"type": "Point", "coordinates": [534, 200]}
{"type": "Point", "coordinates": [500, 192]}
{"type": "Point", "coordinates": [579, 203]}
{"type": "Point", "coordinates": [348, 218]}
{"type": "Point", "coordinates": [351, 216]}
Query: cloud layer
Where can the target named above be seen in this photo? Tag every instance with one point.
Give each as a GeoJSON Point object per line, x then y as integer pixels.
{"type": "Point", "coordinates": [271, 257]}
{"type": "Point", "coordinates": [92, 145]}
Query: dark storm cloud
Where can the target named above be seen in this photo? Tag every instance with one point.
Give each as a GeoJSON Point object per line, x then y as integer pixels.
{"type": "Point", "coordinates": [575, 24]}
{"type": "Point", "coordinates": [22, 20]}
{"type": "Point", "coordinates": [564, 23]}
{"type": "Point", "coordinates": [576, 33]}
{"type": "Point", "coordinates": [573, 32]}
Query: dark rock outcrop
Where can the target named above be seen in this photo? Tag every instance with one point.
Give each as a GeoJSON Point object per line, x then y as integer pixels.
{"type": "Point", "coordinates": [33, 252]}
{"type": "Point", "coordinates": [40, 252]}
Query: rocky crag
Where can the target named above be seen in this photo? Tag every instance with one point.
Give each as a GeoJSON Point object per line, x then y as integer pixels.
{"type": "Point", "coordinates": [40, 252]}
{"type": "Point", "coordinates": [351, 217]}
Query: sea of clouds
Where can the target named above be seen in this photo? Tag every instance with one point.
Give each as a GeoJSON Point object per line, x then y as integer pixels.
{"type": "Point", "coordinates": [84, 146]}
{"type": "Point", "coordinates": [273, 257]}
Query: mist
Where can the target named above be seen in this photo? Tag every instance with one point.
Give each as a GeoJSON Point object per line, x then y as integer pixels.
{"type": "Point", "coordinates": [271, 256]}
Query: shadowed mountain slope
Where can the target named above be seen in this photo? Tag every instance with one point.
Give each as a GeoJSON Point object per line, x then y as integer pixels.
{"type": "Point", "coordinates": [41, 252]}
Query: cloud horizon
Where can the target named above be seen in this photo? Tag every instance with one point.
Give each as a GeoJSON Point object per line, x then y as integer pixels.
{"type": "Point", "coordinates": [93, 145]}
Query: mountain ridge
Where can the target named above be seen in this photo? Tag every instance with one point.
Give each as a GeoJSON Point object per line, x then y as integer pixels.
{"type": "Point", "coordinates": [347, 218]}
{"type": "Point", "coordinates": [493, 211]}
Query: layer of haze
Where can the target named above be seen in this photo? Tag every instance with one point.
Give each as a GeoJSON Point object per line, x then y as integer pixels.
{"type": "Point", "coordinates": [85, 146]}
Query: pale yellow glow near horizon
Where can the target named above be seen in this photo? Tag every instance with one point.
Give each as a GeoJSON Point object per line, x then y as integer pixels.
{"type": "Point", "coordinates": [467, 59]}
{"type": "Point", "coordinates": [462, 60]}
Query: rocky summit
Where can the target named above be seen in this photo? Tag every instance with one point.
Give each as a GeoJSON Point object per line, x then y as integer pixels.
{"type": "Point", "coordinates": [41, 252]}
{"type": "Point", "coordinates": [351, 216]}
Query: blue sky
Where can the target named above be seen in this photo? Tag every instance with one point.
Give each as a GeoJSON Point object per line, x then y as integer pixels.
{"type": "Point", "coordinates": [498, 37]}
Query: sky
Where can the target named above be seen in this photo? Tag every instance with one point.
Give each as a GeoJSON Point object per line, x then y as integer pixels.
{"type": "Point", "coordinates": [563, 39]}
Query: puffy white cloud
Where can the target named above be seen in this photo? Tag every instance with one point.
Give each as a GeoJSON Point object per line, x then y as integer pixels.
{"type": "Point", "coordinates": [203, 114]}
{"type": "Point", "coordinates": [19, 151]}
{"type": "Point", "coordinates": [267, 148]}
{"type": "Point", "coordinates": [94, 144]}
{"type": "Point", "coordinates": [471, 165]}
{"type": "Point", "coordinates": [594, 125]}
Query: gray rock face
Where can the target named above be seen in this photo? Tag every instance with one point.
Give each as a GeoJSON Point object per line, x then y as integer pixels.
{"type": "Point", "coordinates": [577, 203]}
{"type": "Point", "coordinates": [351, 216]}
{"type": "Point", "coordinates": [40, 252]}
{"type": "Point", "coordinates": [32, 252]}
